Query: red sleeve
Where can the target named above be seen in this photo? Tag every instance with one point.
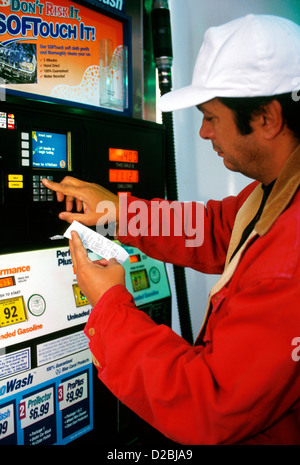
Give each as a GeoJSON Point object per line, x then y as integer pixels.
{"type": "Point", "coordinates": [244, 382]}
{"type": "Point", "coordinates": [217, 394]}
{"type": "Point", "coordinates": [185, 234]}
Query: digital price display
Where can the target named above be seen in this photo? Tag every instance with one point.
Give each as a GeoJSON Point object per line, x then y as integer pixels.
{"type": "Point", "coordinates": [7, 282]}
{"type": "Point", "coordinates": [135, 258]}
{"type": "Point", "coordinates": [12, 311]}
{"type": "Point", "coordinates": [123, 155]}
{"type": "Point", "coordinates": [130, 176]}
{"type": "Point", "coordinates": [139, 280]}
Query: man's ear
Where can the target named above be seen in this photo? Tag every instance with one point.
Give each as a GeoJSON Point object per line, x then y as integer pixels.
{"type": "Point", "coordinates": [271, 120]}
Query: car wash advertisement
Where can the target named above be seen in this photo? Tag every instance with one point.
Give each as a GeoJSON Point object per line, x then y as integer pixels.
{"type": "Point", "coordinates": [62, 50]}
{"type": "Point", "coordinates": [45, 373]}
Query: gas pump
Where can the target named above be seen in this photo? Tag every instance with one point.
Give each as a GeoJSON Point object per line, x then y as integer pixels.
{"type": "Point", "coordinates": [49, 392]}
{"type": "Point", "coordinates": [42, 310]}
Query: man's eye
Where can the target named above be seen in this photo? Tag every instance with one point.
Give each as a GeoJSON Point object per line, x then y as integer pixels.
{"type": "Point", "coordinates": [208, 118]}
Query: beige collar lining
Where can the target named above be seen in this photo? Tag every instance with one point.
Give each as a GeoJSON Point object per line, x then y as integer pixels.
{"type": "Point", "coordinates": [282, 193]}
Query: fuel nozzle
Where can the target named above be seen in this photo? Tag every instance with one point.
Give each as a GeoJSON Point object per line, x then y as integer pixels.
{"type": "Point", "coordinates": [162, 43]}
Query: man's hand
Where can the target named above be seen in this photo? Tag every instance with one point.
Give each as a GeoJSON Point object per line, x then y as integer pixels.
{"type": "Point", "coordinates": [94, 278]}
{"type": "Point", "coordinates": [88, 198]}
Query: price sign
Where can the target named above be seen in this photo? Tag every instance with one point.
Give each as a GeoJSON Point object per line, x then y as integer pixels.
{"type": "Point", "coordinates": [36, 407]}
{"type": "Point", "coordinates": [72, 391]}
{"type": "Point", "coordinates": [6, 421]}
{"type": "Point", "coordinates": [12, 311]}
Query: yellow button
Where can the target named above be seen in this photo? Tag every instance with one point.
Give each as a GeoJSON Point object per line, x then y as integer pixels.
{"type": "Point", "coordinates": [15, 185]}
{"type": "Point", "coordinates": [91, 331]}
{"type": "Point", "coordinates": [15, 177]}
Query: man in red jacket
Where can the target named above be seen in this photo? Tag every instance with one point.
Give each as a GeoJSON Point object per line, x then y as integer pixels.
{"type": "Point", "coordinates": [240, 382]}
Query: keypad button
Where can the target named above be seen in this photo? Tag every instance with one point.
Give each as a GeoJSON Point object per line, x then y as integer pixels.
{"type": "Point", "coordinates": [39, 191]}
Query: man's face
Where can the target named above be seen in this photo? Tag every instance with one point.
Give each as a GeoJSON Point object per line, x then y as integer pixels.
{"type": "Point", "coordinates": [241, 153]}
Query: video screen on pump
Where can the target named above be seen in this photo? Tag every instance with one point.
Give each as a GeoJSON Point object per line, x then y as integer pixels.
{"type": "Point", "coordinates": [49, 150]}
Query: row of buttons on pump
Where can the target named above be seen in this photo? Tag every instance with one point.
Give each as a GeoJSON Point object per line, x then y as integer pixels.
{"type": "Point", "coordinates": [25, 149]}
{"type": "Point", "coordinates": [40, 192]}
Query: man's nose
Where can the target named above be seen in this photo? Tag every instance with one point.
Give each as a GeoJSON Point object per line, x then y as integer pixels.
{"type": "Point", "coordinates": [206, 130]}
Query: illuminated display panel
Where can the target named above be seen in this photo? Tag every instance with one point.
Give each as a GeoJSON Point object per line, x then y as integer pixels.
{"type": "Point", "coordinates": [135, 258]}
{"type": "Point", "coordinates": [49, 150]}
{"type": "Point", "coordinates": [139, 280]}
{"type": "Point", "coordinates": [122, 155]}
{"type": "Point", "coordinates": [7, 282]}
{"type": "Point", "coordinates": [130, 176]}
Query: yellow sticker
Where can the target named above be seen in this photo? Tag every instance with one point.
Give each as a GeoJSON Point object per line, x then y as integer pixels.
{"type": "Point", "coordinates": [80, 298]}
{"type": "Point", "coordinates": [12, 311]}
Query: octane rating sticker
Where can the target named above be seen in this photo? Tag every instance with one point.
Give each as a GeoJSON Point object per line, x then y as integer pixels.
{"type": "Point", "coordinates": [12, 311]}
{"type": "Point", "coordinates": [36, 407]}
{"type": "Point", "coordinates": [72, 391]}
{"type": "Point", "coordinates": [80, 299]}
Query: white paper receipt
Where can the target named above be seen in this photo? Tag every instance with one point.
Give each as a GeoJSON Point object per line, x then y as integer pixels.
{"type": "Point", "coordinates": [97, 243]}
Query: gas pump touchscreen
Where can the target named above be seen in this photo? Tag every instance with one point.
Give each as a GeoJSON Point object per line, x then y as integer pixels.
{"type": "Point", "coordinates": [49, 150]}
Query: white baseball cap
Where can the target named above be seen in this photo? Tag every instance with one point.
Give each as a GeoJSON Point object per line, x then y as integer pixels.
{"type": "Point", "coordinates": [257, 55]}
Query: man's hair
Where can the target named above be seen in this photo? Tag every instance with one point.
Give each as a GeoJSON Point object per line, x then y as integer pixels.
{"type": "Point", "coordinates": [245, 108]}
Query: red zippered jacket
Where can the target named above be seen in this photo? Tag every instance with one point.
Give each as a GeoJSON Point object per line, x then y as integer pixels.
{"type": "Point", "coordinates": [240, 382]}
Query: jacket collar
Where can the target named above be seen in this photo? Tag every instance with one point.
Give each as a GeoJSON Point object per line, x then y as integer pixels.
{"type": "Point", "coordinates": [282, 193]}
